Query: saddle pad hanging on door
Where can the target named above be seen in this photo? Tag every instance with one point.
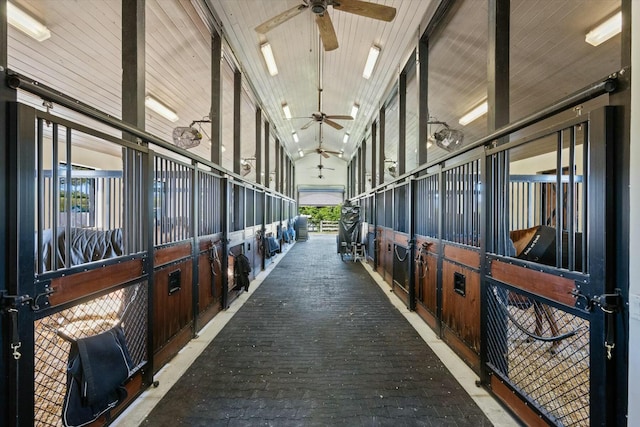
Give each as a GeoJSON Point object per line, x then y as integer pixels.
{"type": "Point", "coordinates": [97, 368]}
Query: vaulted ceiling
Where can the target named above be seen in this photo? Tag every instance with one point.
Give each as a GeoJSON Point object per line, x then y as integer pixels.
{"type": "Point", "coordinates": [549, 59]}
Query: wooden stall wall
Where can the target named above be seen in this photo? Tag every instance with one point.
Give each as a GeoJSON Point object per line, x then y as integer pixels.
{"type": "Point", "coordinates": [426, 279]}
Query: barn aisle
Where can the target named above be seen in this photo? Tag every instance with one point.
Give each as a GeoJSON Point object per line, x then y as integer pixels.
{"type": "Point", "coordinates": [318, 343]}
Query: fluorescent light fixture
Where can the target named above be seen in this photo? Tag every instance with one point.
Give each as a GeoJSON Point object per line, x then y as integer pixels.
{"type": "Point", "coordinates": [472, 115]}
{"type": "Point", "coordinates": [345, 138]}
{"type": "Point", "coordinates": [223, 149]}
{"type": "Point", "coordinates": [371, 61]}
{"type": "Point", "coordinates": [25, 23]}
{"type": "Point", "coordinates": [300, 153]}
{"type": "Point", "coordinates": [161, 109]}
{"type": "Point", "coordinates": [295, 137]}
{"type": "Point", "coordinates": [287, 111]}
{"type": "Point", "coordinates": [605, 31]}
{"type": "Point", "coordinates": [269, 59]}
{"type": "Point", "coordinates": [354, 110]}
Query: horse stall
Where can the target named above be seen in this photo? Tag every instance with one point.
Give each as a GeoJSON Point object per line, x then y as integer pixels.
{"type": "Point", "coordinates": [87, 268]}
{"type": "Point", "coordinates": [547, 346]}
{"type": "Point", "coordinates": [210, 245]}
{"type": "Point", "coordinates": [384, 234]}
{"type": "Point", "coordinates": [401, 245]}
{"type": "Point", "coordinates": [460, 255]}
{"type": "Point", "coordinates": [428, 294]}
{"type": "Point", "coordinates": [122, 243]}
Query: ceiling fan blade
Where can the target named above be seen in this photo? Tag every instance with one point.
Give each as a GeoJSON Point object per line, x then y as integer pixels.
{"type": "Point", "coordinates": [332, 152]}
{"type": "Point", "coordinates": [364, 8]}
{"type": "Point", "coordinates": [279, 19]}
{"type": "Point", "coordinates": [327, 32]}
{"type": "Point", "coordinates": [308, 124]}
{"type": "Point", "coordinates": [338, 117]}
{"type": "Point", "coordinates": [333, 124]}
{"type": "Point", "coordinates": [324, 154]}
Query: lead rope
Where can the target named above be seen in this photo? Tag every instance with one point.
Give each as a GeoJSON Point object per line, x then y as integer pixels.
{"type": "Point", "coordinates": [420, 261]}
{"type": "Point", "coordinates": [214, 258]}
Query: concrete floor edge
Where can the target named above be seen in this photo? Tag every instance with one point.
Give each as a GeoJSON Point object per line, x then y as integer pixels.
{"type": "Point", "coordinates": [135, 414]}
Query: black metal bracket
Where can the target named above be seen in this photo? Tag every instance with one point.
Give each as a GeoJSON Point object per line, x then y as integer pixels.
{"type": "Point", "coordinates": [8, 301]}
{"type": "Point", "coordinates": [609, 303]}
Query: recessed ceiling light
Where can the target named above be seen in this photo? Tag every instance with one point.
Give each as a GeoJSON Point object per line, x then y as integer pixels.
{"type": "Point", "coordinates": [354, 110]}
{"type": "Point", "coordinates": [474, 114]}
{"type": "Point", "coordinates": [161, 109]}
{"type": "Point", "coordinates": [267, 53]}
{"type": "Point", "coordinates": [295, 137]}
{"type": "Point", "coordinates": [345, 138]}
{"type": "Point", "coordinates": [287, 111]}
{"type": "Point", "coordinates": [374, 52]}
{"type": "Point", "coordinates": [605, 31]}
{"type": "Point", "coordinates": [27, 24]}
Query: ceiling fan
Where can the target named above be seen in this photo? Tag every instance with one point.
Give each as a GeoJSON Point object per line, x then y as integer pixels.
{"type": "Point", "coordinates": [323, 21]}
{"type": "Point", "coordinates": [322, 167]}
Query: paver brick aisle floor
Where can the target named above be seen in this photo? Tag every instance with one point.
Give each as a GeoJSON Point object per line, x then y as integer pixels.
{"type": "Point", "coordinates": [318, 344]}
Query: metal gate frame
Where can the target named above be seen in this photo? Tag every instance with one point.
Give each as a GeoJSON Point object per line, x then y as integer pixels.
{"type": "Point", "coordinates": [597, 298]}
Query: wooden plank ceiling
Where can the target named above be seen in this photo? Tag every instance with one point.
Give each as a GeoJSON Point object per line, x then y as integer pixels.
{"type": "Point", "coordinates": [549, 59]}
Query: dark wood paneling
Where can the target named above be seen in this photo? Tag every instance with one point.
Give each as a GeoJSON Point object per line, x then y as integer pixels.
{"type": "Point", "coordinates": [75, 286]}
{"type": "Point", "coordinates": [537, 282]}
{"type": "Point", "coordinates": [207, 295]}
{"type": "Point", "coordinates": [401, 239]}
{"type": "Point", "coordinates": [402, 294]}
{"type": "Point", "coordinates": [464, 256]}
{"type": "Point", "coordinates": [171, 253]}
{"type": "Point", "coordinates": [462, 313]}
{"type": "Point", "coordinates": [171, 312]}
{"type": "Point", "coordinates": [513, 402]}
{"type": "Point", "coordinates": [204, 243]}
{"type": "Point", "coordinates": [427, 316]}
{"type": "Point", "coordinates": [426, 279]}
{"type": "Point", "coordinates": [461, 348]}
{"type": "Point", "coordinates": [171, 348]}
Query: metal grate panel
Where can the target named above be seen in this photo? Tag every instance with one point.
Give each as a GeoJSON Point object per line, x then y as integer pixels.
{"type": "Point", "coordinates": [83, 320]}
{"type": "Point", "coordinates": [543, 352]}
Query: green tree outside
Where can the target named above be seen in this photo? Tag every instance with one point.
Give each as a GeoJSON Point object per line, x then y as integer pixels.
{"type": "Point", "coordinates": [321, 213]}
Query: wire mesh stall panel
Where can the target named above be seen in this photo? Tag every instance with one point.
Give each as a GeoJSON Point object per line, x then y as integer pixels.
{"type": "Point", "coordinates": [54, 335]}
{"type": "Point", "coordinates": [538, 338]}
{"type": "Point", "coordinates": [88, 260]}
{"type": "Point", "coordinates": [427, 208]}
{"type": "Point", "coordinates": [461, 260]}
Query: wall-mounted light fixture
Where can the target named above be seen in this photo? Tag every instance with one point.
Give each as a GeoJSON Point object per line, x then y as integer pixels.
{"type": "Point", "coordinates": [474, 114]}
{"type": "Point", "coordinates": [161, 109]}
{"type": "Point", "coordinates": [26, 23]}
{"type": "Point", "coordinates": [287, 111]}
{"type": "Point", "coordinates": [605, 31]}
{"type": "Point", "coordinates": [300, 153]}
{"type": "Point", "coordinates": [374, 52]}
{"type": "Point", "coordinates": [267, 53]}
